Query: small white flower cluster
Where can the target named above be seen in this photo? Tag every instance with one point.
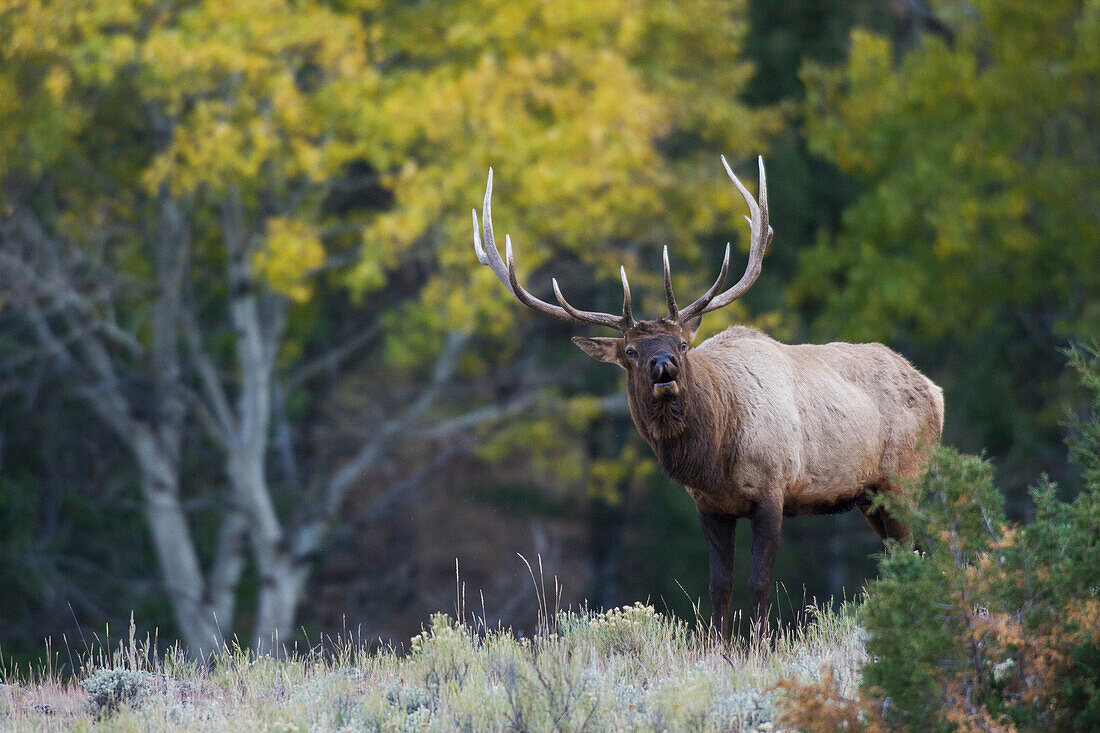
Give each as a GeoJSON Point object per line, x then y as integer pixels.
{"type": "Point", "coordinates": [626, 616]}
{"type": "Point", "coordinates": [440, 629]}
{"type": "Point", "coordinates": [626, 630]}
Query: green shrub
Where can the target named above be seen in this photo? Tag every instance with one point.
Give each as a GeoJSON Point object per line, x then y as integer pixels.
{"type": "Point", "coordinates": [995, 625]}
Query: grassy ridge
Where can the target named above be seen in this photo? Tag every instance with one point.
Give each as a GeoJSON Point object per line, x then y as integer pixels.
{"type": "Point", "coordinates": [626, 669]}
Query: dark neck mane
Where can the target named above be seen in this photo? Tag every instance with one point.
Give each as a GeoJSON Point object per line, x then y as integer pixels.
{"type": "Point", "coordinates": [685, 434]}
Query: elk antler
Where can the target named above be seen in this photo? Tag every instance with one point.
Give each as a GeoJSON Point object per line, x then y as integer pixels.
{"type": "Point", "coordinates": [760, 239]}
{"type": "Point", "coordinates": [506, 273]}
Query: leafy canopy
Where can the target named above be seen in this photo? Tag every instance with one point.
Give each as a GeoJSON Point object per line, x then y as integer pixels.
{"type": "Point", "coordinates": [973, 242]}
{"type": "Point", "coordinates": [386, 116]}
{"type": "Point", "coordinates": [980, 164]}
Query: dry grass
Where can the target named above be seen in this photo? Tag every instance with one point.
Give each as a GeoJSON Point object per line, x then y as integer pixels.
{"type": "Point", "coordinates": [626, 669]}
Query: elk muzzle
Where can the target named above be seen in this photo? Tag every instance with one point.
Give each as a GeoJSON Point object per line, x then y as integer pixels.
{"type": "Point", "coordinates": [664, 369]}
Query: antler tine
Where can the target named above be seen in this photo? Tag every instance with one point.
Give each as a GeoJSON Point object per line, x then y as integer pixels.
{"type": "Point", "coordinates": [561, 299]}
{"type": "Point", "coordinates": [479, 251]}
{"type": "Point", "coordinates": [506, 273]}
{"type": "Point", "coordinates": [761, 237]}
{"type": "Point", "coordinates": [697, 308]}
{"type": "Point", "coordinates": [489, 254]}
{"type": "Point", "coordinates": [673, 311]}
{"type": "Point", "coordinates": [628, 317]}
{"type": "Point", "coordinates": [525, 297]}
{"type": "Point", "coordinates": [585, 316]}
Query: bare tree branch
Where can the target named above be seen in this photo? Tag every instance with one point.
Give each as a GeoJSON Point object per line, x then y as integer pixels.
{"type": "Point", "coordinates": [59, 293]}
{"type": "Point", "coordinates": [331, 358]}
{"type": "Point", "coordinates": [368, 454]}
{"type": "Point", "coordinates": [612, 405]}
{"type": "Point", "coordinates": [216, 400]}
{"type": "Point", "coordinates": [474, 418]}
{"type": "Point", "coordinates": [309, 536]}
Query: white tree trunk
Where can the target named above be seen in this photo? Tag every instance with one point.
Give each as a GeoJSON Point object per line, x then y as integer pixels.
{"type": "Point", "coordinates": [76, 332]}
{"type": "Point", "coordinates": [244, 431]}
{"type": "Point", "coordinates": [280, 594]}
{"type": "Point", "coordinates": [256, 342]}
{"type": "Point", "coordinates": [280, 580]}
{"type": "Point", "coordinates": [180, 571]}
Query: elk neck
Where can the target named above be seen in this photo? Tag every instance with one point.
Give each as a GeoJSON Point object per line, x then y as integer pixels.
{"type": "Point", "coordinates": [687, 434]}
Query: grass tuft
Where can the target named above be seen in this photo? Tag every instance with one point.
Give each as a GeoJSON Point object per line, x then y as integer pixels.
{"type": "Point", "coordinates": [626, 668]}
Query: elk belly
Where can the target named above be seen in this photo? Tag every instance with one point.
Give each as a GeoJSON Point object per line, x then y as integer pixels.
{"type": "Point", "coordinates": [841, 446]}
{"type": "Point", "coordinates": [737, 504]}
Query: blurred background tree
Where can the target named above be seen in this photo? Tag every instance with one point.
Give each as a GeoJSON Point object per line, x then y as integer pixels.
{"type": "Point", "coordinates": [973, 242]}
{"type": "Point", "coordinates": [254, 380]}
{"type": "Point", "coordinates": [209, 206]}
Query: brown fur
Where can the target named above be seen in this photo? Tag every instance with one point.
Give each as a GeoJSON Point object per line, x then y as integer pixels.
{"type": "Point", "coordinates": [807, 426]}
{"type": "Point", "coordinates": [762, 429]}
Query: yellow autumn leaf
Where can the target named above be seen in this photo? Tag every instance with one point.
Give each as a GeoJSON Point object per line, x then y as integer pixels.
{"type": "Point", "coordinates": [291, 252]}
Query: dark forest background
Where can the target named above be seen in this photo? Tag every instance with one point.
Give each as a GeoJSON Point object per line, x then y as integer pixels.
{"type": "Point", "coordinates": [253, 380]}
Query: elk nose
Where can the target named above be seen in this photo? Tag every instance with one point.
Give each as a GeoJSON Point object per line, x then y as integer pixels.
{"type": "Point", "coordinates": [663, 368]}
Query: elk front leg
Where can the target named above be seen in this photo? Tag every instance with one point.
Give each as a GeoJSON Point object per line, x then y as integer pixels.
{"type": "Point", "coordinates": [718, 529]}
{"type": "Point", "coordinates": [767, 521]}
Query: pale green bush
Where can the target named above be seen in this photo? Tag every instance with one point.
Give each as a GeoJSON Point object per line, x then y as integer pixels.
{"type": "Point", "coordinates": [109, 689]}
{"type": "Point", "coordinates": [630, 668]}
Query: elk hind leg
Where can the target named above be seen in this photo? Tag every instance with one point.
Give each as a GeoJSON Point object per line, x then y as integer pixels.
{"type": "Point", "coordinates": [887, 527]}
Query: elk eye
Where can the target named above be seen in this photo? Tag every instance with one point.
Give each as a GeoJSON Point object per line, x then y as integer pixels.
{"type": "Point", "coordinates": [630, 352]}
{"type": "Point", "coordinates": [683, 346]}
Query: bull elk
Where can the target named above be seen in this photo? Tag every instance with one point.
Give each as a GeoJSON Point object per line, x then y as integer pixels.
{"type": "Point", "coordinates": [751, 427]}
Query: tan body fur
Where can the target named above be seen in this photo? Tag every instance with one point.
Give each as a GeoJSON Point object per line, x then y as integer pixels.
{"type": "Point", "coordinates": [810, 427]}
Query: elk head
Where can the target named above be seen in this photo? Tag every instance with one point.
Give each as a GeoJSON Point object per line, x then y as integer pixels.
{"type": "Point", "coordinates": [655, 354]}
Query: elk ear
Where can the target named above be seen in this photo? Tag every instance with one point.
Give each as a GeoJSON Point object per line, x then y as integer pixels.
{"type": "Point", "coordinates": [691, 327]}
{"type": "Point", "coordinates": [602, 349]}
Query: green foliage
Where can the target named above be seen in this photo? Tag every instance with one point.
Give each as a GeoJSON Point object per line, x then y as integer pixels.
{"type": "Point", "coordinates": [970, 151]}
{"type": "Point", "coordinates": [571, 104]}
{"type": "Point", "coordinates": [974, 237]}
{"type": "Point", "coordinates": [920, 608]}
{"type": "Point", "coordinates": [995, 623]}
{"type": "Point", "coordinates": [292, 106]}
{"type": "Point", "coordinates": [1081, 687]}
{"type": "Point", "coordinates": [783, 36]}
{"type": "Point", "coordinates": [1084, 440]}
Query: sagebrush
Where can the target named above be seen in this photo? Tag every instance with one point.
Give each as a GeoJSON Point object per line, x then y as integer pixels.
{"type": "Point", "coordinates": [628, 668]}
